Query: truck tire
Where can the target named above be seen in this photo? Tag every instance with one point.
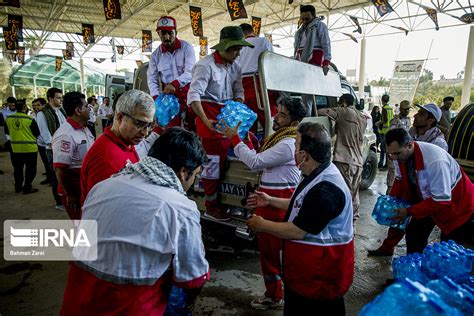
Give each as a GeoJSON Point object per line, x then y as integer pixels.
{"type": "Point", "coordinates": [369, 172]}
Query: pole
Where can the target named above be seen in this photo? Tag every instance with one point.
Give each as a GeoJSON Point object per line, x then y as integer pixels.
{"type": "Point", "coordinates": [81, 66]}
{"type": "Point", "coordinates": [466, 90]}
{"type": "Point", "coordinates": [13, 92]}
{"type": "Point", "coordinates": [34, 86]}
{"type": "Point", "coordinates": [362, 69]}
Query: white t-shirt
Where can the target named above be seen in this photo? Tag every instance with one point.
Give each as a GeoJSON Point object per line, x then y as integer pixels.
{"type": "Point", "coordinates": [248, 58]}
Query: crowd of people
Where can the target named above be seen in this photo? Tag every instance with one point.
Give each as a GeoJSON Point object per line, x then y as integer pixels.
{"type": "Point", "coordinates": [133, 178]}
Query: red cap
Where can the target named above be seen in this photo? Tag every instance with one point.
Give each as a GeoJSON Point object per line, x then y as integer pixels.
{"type": "Point", "coordinates": [166, 23]}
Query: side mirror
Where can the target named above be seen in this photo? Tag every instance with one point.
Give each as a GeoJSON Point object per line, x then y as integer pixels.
{"type": "Point", "coordinates": [360, 107]}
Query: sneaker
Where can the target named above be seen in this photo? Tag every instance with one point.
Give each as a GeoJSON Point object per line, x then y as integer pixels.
{"type": "Point", "coordinates": [263, 303]}
{"type": "Point", "coordinates": [30, 191]}
{"type": "Point", "coordinates": [378, 253]}
{"type": "Point", "coordinates": [60, 207]}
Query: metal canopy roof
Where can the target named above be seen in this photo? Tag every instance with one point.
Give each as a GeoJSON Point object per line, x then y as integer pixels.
{"type": "Point", "coordinates": [40, 71]}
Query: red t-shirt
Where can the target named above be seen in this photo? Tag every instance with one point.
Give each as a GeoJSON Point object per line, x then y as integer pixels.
{"type": "Point", "coordinates": [107, 156]}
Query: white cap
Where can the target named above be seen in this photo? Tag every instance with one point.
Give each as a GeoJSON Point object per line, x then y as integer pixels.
{"type": "Point", "coordinates": [433, 109]}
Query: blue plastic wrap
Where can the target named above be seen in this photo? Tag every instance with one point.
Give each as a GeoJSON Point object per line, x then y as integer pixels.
{"type": "Point", "coordinates": [166, 108]}
{"type": "Point", "coordinates": [234, 112]}
{"type": "Point", "coordinates": [383, 210]}
{"type": "Point", "coordinates": [453, 294]}
{"type": "Point", "coordinates": [176, 303]}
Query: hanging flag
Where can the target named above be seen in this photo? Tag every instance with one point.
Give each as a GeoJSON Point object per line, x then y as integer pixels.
{"type": "Point", "coordinates": [99, 60]}
{"type": "Point", "coordinates": [352, 37]}
{"type": "Point", "coordinates": [433, 16]}
{"type": "Point", "coordinates": [196, 20]}
{"type": "Point", "coordinates": [146, 41]}
{"type": "Point", "coordinates": [10, 3]}
{"type": "Point", "coordinates": [356, 22]}
{"type": "Point", "coordinates": [114, 55]}
{"type": "Point", "coordinates": [467, 18]}
{"type": "Point", "coordinates": [12, 56]}
{"type": "Point", "coordinates": [20, 55]}
{"type": "Point", "coordinates": [120, 50]}
{"type": "Point", "coordinates": [256, 24]}
{"type": "Point", "coordinates": [15, 23]}
{"type": "Point", "coordinates": [400, 28]}
{"type": "Point", "coordinates": [66, 54]}
{"type": "Point", "coordinates": [88, 34]}
{"type": "Point", "coordinates": [383, 7]}
{"type": "Point", "coordinates": [269, 37]}
{"type": "Point", "coordinates": [203, 44]}
{"type": "Point", "coordinates": [70, 48]}
{"type": "Point", "coordinates": [59, 63]}
{"type": "Point", "coordinates": [11, 42]}
{"type": "Point", "coordinates": [112, 10]}
{"type": "Point", "coordinates": [236, 9]}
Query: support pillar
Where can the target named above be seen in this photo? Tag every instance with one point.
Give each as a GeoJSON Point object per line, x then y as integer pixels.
{"type": "Point", "coordinates": [35, 88]}
{"type": "Point", "coordinates": [362, 69]}
{"type": "Point", "coordinates": [81, 66]}
{"type": "Point", "coordinates": [466, 90]}
{"type": "Point", "coordinates": [13, 92]}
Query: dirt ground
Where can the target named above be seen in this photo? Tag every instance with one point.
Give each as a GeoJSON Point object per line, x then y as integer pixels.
{"type": "Point", "coordinates": [36, 288]}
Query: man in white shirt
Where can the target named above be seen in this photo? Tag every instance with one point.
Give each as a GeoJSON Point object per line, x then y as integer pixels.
{"type": "Point", "coordinates": [106, 113]}
{"type": "Point", "coordinates": [49, 119]}
{"type": "Point", "coordinates": [280, 176]}
{"type": "Point", "coordinates": [92, 122]}
{"type": "Point", "coordinates": [38, 105]}
{"type": "Point", "coordinates": [249, 63]}
{"type": "Point", "coordinates": [216, 78]}
{"type": "Point", "coordinates": [71, 142]}
{"type": "Point", "coordinates": [170, 69]}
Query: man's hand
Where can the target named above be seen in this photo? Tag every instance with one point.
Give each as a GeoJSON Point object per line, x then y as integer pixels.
{"type": "Point", "coordinates": [255, 223]}
{"type": "Point", "coordinates": [169, 89]}
{"type": "Point", "coordinates": [210, 124]}
{"type": "Point", "coordinates": [400, 217]}
{"type": "Point", "coordinates": [73, 203]}
{"type": "Point", "coordinates": [258, 199]}
{"type": "Point", "coordinates": [227, 131]}
{"type": "Point", "coordinates": [239, 100]}
{"type": "Point", "coordinates": [325, 70]}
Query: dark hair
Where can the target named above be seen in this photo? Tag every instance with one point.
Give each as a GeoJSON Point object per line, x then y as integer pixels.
{"type": "Point", "coordinates": [399, 135]}
{"type": "Point", "coordinates": [315, 140]}
{"type": "Point", "coordinates": [347, 98]}
{"type": "Point", "coordinates": [89, 100]}
{"type": "Point", "coordinates": [11, 100]}
{"type": "Point", "coordinates": [40, 100]}
{"type": "Point", "coordinates": [375, 108]}
{"type": "Point", "coordinates": [448, 98]}
{"type": "Point", "coordinates": [295, 108]}
{"type": "Point", "coordinates": [385, 98]}
{"type": "Point", "coordinates": [108, 97]}
{"type": "Point", "coordinates": [246, 28]}
{"type": "Point", "coordinates": [72, 101]}
{"type": "Point", "coordinates": [178, 148]}
{"type": "Point", "coordinates": [431, 116]}
{"type": "Point", "coordinates": [308, 8]}
{"type": "Point", "coordinates": [52, 91]}
{"type": "Point", "coordinates": [20, 104]}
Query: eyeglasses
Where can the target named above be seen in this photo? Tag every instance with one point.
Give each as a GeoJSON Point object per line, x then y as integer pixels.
{"type": "Point", "coordinates": [139, 123]}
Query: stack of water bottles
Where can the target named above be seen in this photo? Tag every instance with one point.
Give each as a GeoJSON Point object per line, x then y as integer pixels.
{"type": "Point", "coordinates": [441, 274]}
{"type": "Point", "coordinates": [234, 112]}
{"type": "Point", "coordinates": [166, 108]}
{"type": "Point", "coordinates": [383, 211]}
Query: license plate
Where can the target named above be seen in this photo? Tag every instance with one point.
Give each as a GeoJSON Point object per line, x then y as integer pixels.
{"type": "Point", "coordinates": [233, 189]}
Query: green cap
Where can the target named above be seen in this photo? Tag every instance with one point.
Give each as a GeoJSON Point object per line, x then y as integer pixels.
{"type": "Point", "coordinates": [231, 36]}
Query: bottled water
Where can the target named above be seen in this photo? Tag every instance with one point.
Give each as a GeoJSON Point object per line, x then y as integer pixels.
{"type": "Point", "coordinates": [166, 108]}
{"type": "Point", "coordinates": [453, 294]}
{"type": "Point", "coordinates": [409, 267]}
{"type": "Point", "coordinates": [233, 113]}
{"type": "Point", "coordinates": [176, 303]}
{"type": "Point", "coordinates": [408, 298]}
{"type": "Point", "coordinates": [383, 210]}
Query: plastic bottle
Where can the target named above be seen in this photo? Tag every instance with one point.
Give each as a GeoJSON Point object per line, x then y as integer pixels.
{"type": "Point", "coordinates": [383, 210]}
{"type": "Point", "coordinates": [166, 108]}
{"type": "Point", "coordinates": [453, 294]}
{"type": "Point", "coordinates": [176, 303]}
{"type": "Point", "coordinates": [233, 113]}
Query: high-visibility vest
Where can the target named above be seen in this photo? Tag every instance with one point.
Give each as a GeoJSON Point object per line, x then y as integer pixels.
{"type": "Point", "coordinates": [386, 125]}
{"type": "Point", "coordinates": [21, 138]}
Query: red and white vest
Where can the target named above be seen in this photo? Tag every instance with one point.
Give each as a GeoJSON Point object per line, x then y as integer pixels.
{"type": "Point", "coordinates": [321, 266]}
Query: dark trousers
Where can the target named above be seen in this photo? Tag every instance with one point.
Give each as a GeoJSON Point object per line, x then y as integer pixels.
{"type": "Point", "coordinates": [464, 234]}
{"type": "Point", "coordinates": [296, 304]}
{"type": "Point", "coordinates": [44, 159]}
{"type": "Point", "coordinates": [383, 151]}
{"type": "Point", "coordinates": [8, 146]}
{"type": "Point", "coordinates": [417, 233]}
{"type": "Point", "coordinates": [105, 123]}
{"type": "Point", "coordinates": [20, 160]}
{"type": "Point", "coordinates": [91, 127]}
{"type": "Point", "coordinates": [54, 180]}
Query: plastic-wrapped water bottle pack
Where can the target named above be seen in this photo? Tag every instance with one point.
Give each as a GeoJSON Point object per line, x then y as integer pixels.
{"type": "Point", "coordinates": [234, 112]}
{"type": "Point", "coordinates": [409, 298]}
{"type": "Point", "coordinates": [456, 295]}
{"type": "Point", "coordinates": [166, 108]}
{"type": "Point", "coordinates": [383, 210]}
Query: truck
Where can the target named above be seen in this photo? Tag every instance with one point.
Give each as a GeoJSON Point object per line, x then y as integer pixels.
{"type": "Point", "coordinates": [282, 74]}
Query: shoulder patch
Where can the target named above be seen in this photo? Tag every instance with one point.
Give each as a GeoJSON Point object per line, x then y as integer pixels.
{"type": "Point", "coordinates": [65, 146]}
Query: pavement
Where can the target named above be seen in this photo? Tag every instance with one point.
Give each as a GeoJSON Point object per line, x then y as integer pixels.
{"type": "Point", "coordinates": [36, 288]}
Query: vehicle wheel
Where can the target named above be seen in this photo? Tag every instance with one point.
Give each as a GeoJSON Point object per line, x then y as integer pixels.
{"type": "Point", "coordinates": [369, 172]}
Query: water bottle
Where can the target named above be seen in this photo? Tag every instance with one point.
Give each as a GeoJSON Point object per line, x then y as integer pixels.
{"type": "Point", "coordinates": [453, 294]}
{"type": "Point", "coordinates": [176, 303]}
{"type": "Point", "coordinates": [166, 108]}
{"type": "Point", "coordinates": [383, 210]}
{"type": "Point", "coordinates": [233, 113]}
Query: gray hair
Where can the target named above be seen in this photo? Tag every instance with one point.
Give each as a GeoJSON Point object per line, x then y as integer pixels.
{"type": "Point", "coordinates": [133, 101]}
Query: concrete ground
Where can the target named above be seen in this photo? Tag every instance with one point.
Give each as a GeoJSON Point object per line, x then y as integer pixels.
{"type": "Point", "coordinates": [36, 288]}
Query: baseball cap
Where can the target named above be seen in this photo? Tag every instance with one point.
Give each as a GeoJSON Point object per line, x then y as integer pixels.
{"type": "Point", "coordinates": [166, 23]}
{"type": "Point", "coordinates": [405, 104]}
{"type": "Point", "coordinates": [433, 109]}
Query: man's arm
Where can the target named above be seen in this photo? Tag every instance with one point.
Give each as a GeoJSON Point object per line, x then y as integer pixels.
{"type": "Point", "coordinates": [34, 129]}
{"type": "Point", "coordinates": [325, 41]}
{"type": "Point", "coordinates": [237, 87]}
{"type": "Point", "coordinates": [44, 130]}
{"type": "Point", "coordinates": [153, 76]}
{"type": "Point", "coordinates": [332, 113]}
{"type": "Point", "coordinates": [189, 62]}
{"type": "Point", "coordinates": [201, 75]}
{"type": "Point", "coordinates": [285, 230]}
